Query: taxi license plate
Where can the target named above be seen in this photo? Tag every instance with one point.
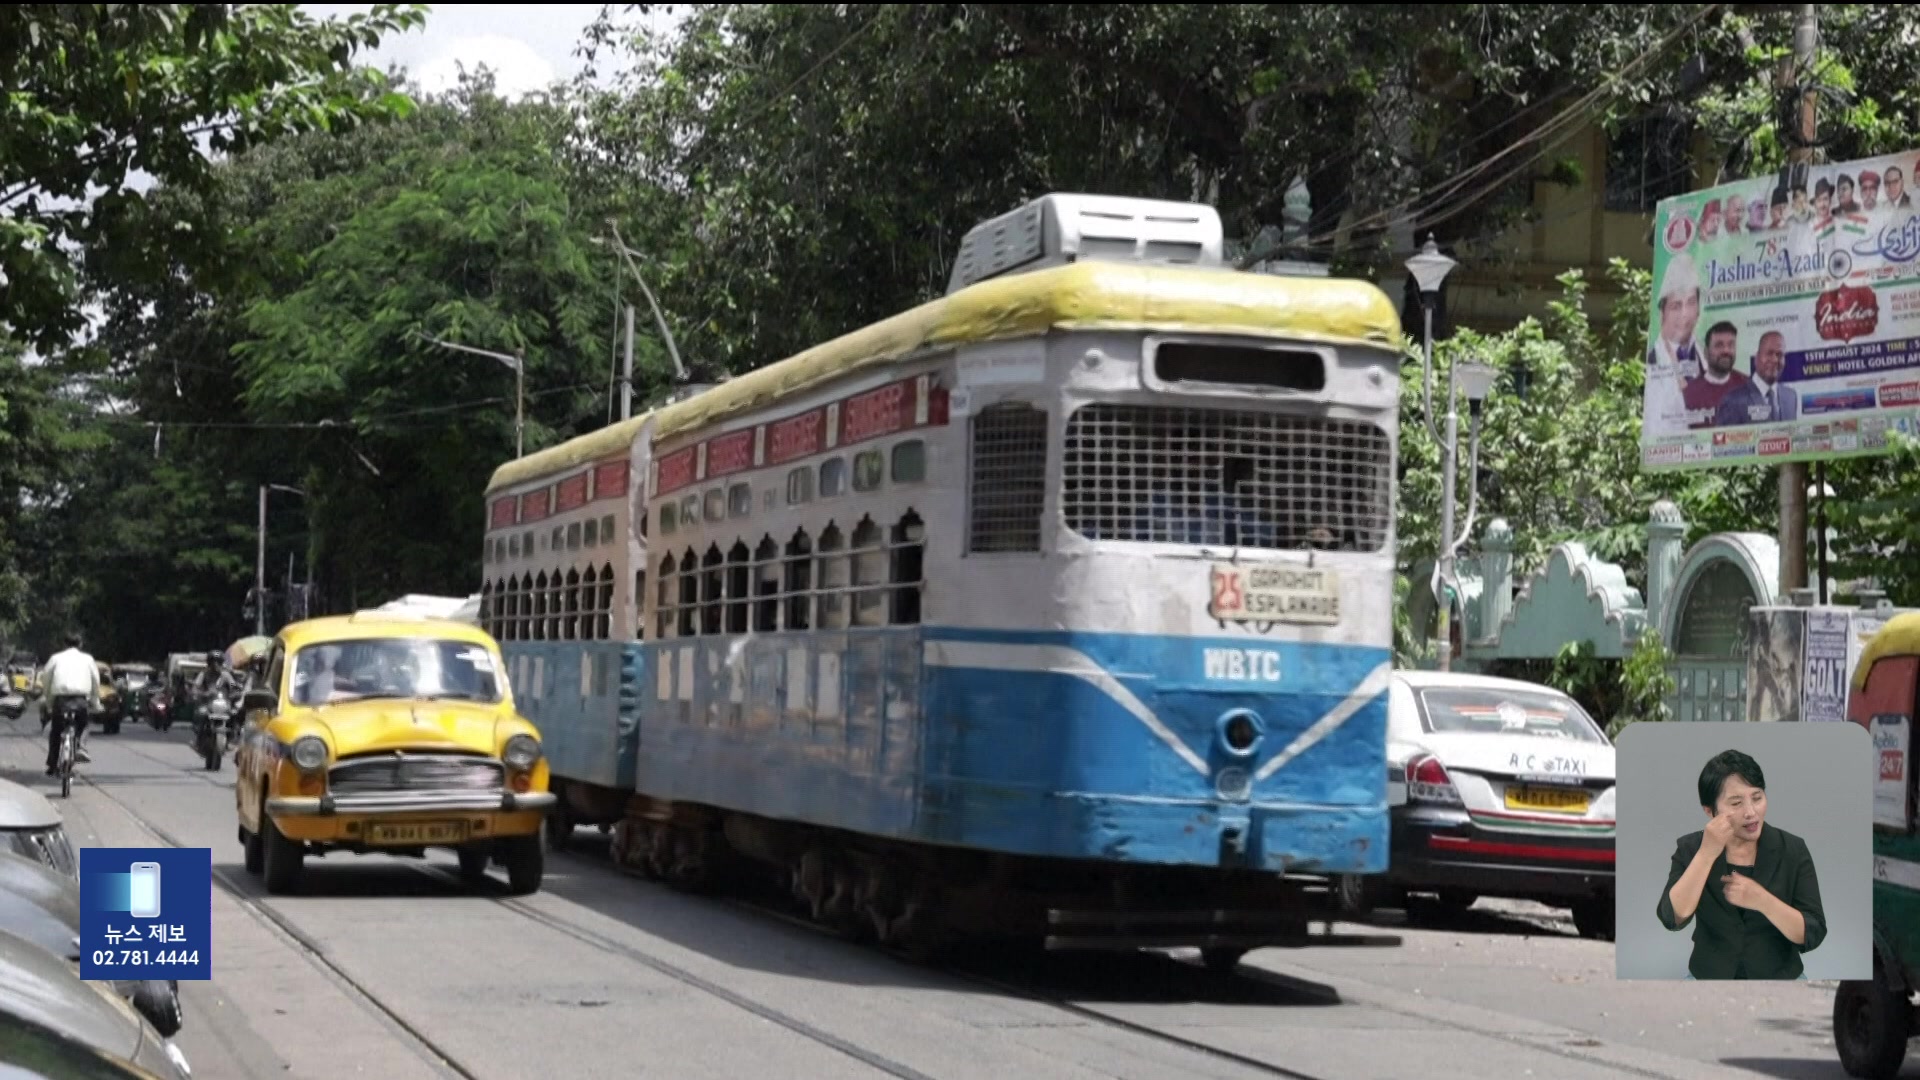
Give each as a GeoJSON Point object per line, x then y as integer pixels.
{"type": "Point", "coordinates": [1551, 800]}
{"type": "Point", "coordinates": [435, 832]}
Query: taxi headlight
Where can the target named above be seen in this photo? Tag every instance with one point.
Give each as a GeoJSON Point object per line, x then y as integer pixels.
{"type": "Point", "coordinates": [309, 753]}
{"type": "Point", "coordinates": [522, 751]}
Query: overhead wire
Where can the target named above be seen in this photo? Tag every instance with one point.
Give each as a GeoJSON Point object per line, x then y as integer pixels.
{"type": "Point", "coordinates": [1554, 130]}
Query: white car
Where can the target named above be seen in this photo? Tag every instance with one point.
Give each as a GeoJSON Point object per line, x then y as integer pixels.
{"type": "Point", "coordinates": [31, 827]}
{"type": "Point", "coordinates": [1497, 787]}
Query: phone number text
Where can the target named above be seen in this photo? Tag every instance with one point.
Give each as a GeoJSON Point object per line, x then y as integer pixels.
{"type": "Point", "coordinates": [145, 957]}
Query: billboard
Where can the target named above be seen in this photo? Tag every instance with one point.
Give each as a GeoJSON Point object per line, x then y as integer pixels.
{"type": "Point", "coordinates": [1786, 317]}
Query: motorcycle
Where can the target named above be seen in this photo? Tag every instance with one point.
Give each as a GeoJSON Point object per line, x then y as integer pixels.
{"type": "Point", "coordinates": [213, 720]}
{"type": "Point", "coordinates": [160, 711]}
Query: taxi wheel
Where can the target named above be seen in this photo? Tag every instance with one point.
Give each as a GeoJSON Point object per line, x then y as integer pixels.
{"type": "Point", "coordinates": [473, 864]}
{"type": "Point", "coordinates": [526, 863]}
{"type": "Point", "coordinates": [256, 852]}
{"type": "Point", "coordinates": [282, 858]}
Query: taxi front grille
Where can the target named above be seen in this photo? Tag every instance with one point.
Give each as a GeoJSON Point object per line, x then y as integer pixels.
{"type": "Point", "coordinates": [390, 773]}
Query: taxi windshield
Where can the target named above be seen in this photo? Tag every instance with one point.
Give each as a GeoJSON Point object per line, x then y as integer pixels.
{"type": "Point", "coordinates": [339, 671]}
{"type": "Point", "coordinates": [1501, 710]}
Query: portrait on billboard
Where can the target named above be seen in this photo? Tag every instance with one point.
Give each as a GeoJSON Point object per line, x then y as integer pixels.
{"type": "Point", "coordinates": [1785, 323]}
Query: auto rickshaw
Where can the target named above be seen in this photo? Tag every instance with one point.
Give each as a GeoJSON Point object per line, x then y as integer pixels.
{"type": "Point", "coordinates": [112, 708]}
{"type": "Point", "coordinates": [183, 672]}
{"type": "Point", "coordinates": [140, 694]}
{"type": "Point", "coordinates": [1873, 1021]}
{"type": "Point", "coordinates": [22, 672]}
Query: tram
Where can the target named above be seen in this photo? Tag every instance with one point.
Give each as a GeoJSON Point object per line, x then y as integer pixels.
{"type": "Point", "coordinates": [1058, 608]}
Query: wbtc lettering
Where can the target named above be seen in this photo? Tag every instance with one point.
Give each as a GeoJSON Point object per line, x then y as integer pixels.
{"type": "Point", "coordinates": [1243, 665]}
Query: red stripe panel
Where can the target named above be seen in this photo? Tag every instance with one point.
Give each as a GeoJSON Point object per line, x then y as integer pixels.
{"type": "Point", "coordinates": [1522, 851]}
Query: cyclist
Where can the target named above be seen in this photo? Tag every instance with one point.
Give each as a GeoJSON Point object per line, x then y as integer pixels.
{"type": "Point", "coordinates": [71, 684]}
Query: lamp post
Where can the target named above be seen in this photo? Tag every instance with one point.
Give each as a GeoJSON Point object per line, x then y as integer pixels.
{"type": "Point", "coordinates": [1430, 269]}
{"type": "Point", "coordinates": [519, 365]}
{"type": "Point", "coordinates": [260, 559]}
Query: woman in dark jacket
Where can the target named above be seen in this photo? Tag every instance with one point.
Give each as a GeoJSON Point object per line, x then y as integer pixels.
{"type": "Point", "coordinates": [1751, 884]}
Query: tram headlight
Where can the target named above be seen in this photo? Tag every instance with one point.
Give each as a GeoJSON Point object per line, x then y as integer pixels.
{"type": "Point", "coordinates": [309, 753]}
{"type": "Point", "coordinates": [1240, 732]}
{"type": "Point", "coordinates": [522, 751]}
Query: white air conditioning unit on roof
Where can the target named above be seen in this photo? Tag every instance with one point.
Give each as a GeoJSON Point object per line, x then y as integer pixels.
{"type": "Point", "coordinates": [1057, 229]}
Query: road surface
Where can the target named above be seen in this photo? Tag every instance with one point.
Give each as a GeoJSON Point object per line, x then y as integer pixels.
{"type": "Point", "coordinates": [390, 968]}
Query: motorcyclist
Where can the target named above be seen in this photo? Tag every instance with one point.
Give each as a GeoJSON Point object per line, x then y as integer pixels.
{"type": "Point", "coordinates": [70, 685]}
{"type": "Point", "coordinates": [217, 681]}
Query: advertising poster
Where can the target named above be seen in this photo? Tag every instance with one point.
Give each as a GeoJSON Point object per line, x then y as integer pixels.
{"type": "Point", "coordinates": [1786, 317]}
{"type": "Point", "coordinates": [1824, 691]}
{"type": "Point", "coordinates": [1774, 663]}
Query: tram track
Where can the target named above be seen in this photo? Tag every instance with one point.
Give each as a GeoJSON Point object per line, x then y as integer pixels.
{"type": "Point", "coordinates": [442, 1058]}
{"type": "Point", "coordinates": [597, 940]}
{"type": "Point", "coordinates": [425, 1045]}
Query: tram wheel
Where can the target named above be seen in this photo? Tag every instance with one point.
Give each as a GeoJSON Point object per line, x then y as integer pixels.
{"type": "Point", "coordinates": [1871, 1025]}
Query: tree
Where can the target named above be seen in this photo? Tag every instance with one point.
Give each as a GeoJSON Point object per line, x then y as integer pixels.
{"type": "Point", "coordinates": [97, 92]}
{"type": "Point", "coordinates": [462, 227]}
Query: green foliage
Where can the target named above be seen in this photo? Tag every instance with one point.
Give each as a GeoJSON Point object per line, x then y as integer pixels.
{"type": "Point", "coordinates": [763, 150]}
{"type": "Point", "coordinates": [1561, 461]}
{"type": "Point", "coordinates": [95, 92]}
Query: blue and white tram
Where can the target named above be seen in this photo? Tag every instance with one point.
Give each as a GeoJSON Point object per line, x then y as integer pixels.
{"type": "Point", "coordinates": [1058, 607]}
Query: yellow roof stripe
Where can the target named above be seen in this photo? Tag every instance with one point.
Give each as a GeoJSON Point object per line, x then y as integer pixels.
{"type": "Point", "coordinates": [1080, 296]}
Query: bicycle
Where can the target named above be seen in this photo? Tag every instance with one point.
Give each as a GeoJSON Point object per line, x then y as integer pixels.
{"type": "Point", "coordinates": [69, 751]}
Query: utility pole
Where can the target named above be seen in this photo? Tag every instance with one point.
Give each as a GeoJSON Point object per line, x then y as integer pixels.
{"type": "Point", "coordinates": [626, 371]}
{"type": "Point", "coordinates": [260, 571]}
{"type": "Point", "coordinates": [1793, 475]}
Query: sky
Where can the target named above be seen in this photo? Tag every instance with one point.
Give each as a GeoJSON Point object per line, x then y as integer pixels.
{"type": "Point", "coordinates": [528, 47]}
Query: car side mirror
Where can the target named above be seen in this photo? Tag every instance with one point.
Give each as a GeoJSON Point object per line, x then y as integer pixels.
{"type": "Point", "coordinates": [262, 701]}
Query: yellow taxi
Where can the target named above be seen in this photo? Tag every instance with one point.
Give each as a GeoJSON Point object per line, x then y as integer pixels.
{"type": "Point", "coordinates": [382, 733]}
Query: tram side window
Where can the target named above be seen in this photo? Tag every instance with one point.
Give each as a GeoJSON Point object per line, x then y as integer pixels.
{"type": "Point", "coordinates": [909, 545]}
{"type": "Point", "coordinates": [910, 462]}
{"type": "Point", "coordinates": [712, 590]}
{"type": "Point", "coordinates": [739, 586]}
{"type": "Point", "coordinates": [669, 519]}
{"type": "Point", "coordinates": [868, 470]}
{"type": "Point", "coordinates": [833, 477]}
{"type": "Point", "coordinates": [593, 533]}
{"type": "Point", "coordinates": [799, 486]}
{"type": "Point", "coordinates": [663, 600]}
{"type": "Point", "coordinates": [766, 589]}
{"type": "Point", "coordinates": [869, 574]}
{"type": "Point", "coordinates": [799, 581]}
{"type": "Point", "coordinates": [688, 610]}
{"type": "Point", "coordinates": [833, 575]}
{"type": "Point", "coordinates": [1008, 483]}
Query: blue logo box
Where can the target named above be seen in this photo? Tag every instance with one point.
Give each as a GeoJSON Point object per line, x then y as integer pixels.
{"type": "Point", "coordinates": [146, 913]}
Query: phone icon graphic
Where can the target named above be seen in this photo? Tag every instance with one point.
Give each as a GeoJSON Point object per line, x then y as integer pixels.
{"type": "Point", "coordinates": [145, 892]}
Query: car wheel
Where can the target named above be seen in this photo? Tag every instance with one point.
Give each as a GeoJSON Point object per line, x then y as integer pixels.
{"type": "Point", "coordinates": [525, 860]}
{"type": "Point", "coordinates": [282, 857]}
{"type": "Point", "coordinates": [256, 853]}
{"type": "Point", "coordinates": [1593, 918]}
{"type": "Point", "coordinates": [473, 863]}
{"type": "Point", "coordinates": [1871, 1025]}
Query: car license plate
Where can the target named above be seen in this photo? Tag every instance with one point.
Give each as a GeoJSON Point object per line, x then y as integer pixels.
{"type": "Point", "coordinates": [1281, 594]}
{"type": "Point", "coordinates": [433, 832]}
{"type": "Point", "coordinates": [1552, 800]}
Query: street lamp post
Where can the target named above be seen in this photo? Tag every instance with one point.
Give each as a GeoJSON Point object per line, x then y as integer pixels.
{"type": "Point", "coordinates": [519, 365]}
{"type": "Point", "coordinates": [260, 559]}
{"type": "Point", "coordinates": [1430, 269]}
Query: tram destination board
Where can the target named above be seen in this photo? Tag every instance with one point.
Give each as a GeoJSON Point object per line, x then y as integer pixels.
{"type": "Point", "coordinates": [1289, 594]}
